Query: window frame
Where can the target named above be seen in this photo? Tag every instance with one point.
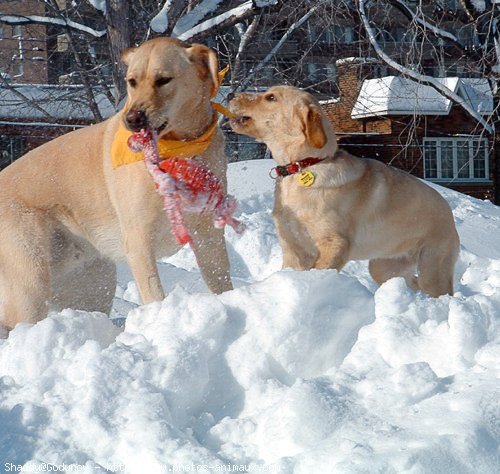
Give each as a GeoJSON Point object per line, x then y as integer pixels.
{"type": "Point", "coordinates": [12, 148]}
{"type": "Point", "coordinates": [471, 140]}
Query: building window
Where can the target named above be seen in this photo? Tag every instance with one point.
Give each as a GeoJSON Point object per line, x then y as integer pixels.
{"type": "Point", "coordinates": [450, 5]}
{"type": "Point", "coordinates": [312, 70]}
{"type": "Point", "coordinates": [380, 70]}
{"type": "Point", "coordinates": [61, 64]}
{"type": "Point", "coordinates": [458, 159]}
{"type": "Point", "coordinates": [17, 32]}
{"type": "Point", "coordinates": [456, 70]}
{"type": "Point", "coordinates": [338, 34]}
{"type": "Point", "coordinates": [315, 73]}
{"type": "Point", "coordinates": [11, 148]}
{"type": "Point", "coordinates": [344, 34]}
{"type": "Point", "coordinates": [18, 59]}
{"type": "Point", "coordinates": [329, 35]}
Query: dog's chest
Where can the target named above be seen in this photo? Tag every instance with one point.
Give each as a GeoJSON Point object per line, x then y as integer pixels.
{"type": "Point", "coordinates": [306, 202]}
{"type": "Point", "coordinates": [298, 209]}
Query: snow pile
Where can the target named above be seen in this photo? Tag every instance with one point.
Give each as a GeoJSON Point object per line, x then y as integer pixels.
{"type": "Point", "coordinates": [292, 372]}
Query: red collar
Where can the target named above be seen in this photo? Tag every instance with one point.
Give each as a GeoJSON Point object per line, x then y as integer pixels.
{"type": "Point", "coordinates": [294, 167]}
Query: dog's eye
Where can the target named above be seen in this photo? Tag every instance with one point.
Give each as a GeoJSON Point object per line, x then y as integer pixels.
{"type": "Point", "coordinates": [270, 97]}
{"type": "Point", "coordinates": [132, 82]}
{"type": "Point", "coordinates": [162, 81]}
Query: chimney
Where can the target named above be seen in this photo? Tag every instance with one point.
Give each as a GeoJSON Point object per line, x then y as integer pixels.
{"type": "Point", "coordinates": [351, 72]}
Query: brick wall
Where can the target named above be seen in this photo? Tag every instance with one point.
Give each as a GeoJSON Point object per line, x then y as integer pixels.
{"type": "Point", "coordinates": [351, 75]}
{"type": "Point", "coordinates": [23, 51]}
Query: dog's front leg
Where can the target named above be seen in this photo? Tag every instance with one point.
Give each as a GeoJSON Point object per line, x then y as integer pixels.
{"type": "Point", "coordinates": [211, 255]}
{"type": "Point", "coordinates": [332, 252]}
{"type": "Point", "coordinates": [299, 250]}
{"type": "Point", "coordinates": [138, 246]}
{"type": "Point", "coordinates": [297, 258]}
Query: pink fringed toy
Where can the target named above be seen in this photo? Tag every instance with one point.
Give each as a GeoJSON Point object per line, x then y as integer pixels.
{"type": "Point", "coordinates": [185, 185]}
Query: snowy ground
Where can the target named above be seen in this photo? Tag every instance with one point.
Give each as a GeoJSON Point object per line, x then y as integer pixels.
{"type": "Point", "coordinates": [311, 372]}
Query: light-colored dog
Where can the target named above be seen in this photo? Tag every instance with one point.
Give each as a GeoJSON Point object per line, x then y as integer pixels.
{"type": "Point", "coordinates": [347, 208]}
{"type": "Point", "coordinates": [66, 215]}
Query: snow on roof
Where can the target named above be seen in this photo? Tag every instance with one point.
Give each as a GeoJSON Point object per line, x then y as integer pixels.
{"type": "Point", "coordinates": [333, 100]}
{"type": "Point", "coordinates": [394, 95]}
{"type": "Point", "coordinates": [356, 60]}
{"type": "Point", "coordinates": [50, 103]}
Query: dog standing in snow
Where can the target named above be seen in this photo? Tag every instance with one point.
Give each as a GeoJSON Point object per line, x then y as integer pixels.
{"type": "Point", "coordinates": [332, 207]}
{"type": "Point", "coordinates": [66, 214]}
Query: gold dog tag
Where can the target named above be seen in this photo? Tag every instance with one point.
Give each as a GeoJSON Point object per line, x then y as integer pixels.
{"type": "Point", "coordinates": [306, 178]}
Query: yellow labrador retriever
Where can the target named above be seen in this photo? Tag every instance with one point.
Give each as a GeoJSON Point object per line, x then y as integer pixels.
{"type": "Point", "coordinates": [66, 215]}
{"type": "Point", "coordinates": [331, 207]}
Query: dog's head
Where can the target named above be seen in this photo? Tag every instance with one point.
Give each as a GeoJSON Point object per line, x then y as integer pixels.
{"type": "Point", "coordinates": [283, 116]}
{"type": "Point", "coordinates": [169, 86]}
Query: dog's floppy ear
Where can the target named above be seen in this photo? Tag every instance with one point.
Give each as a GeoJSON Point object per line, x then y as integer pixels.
{"type": "Point", "coordinates": [313, 126]}
{"type": "Point", "coordinates": [205, 60]}
{"type": "Point", "coordinates": [126, 55]}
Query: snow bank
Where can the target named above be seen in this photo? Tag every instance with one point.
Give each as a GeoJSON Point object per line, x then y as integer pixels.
{"type": "Point", "coordinates": [292, 372]}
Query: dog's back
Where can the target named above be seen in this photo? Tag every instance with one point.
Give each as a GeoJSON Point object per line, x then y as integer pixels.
{"type": "Point", "coordinates": [54, 215]}
{"type": "Point", "coordinates": [391, 201]}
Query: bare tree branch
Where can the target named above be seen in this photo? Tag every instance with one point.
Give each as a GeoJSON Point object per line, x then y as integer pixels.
{"type": "Point", "coordinates": [426, 24]}
{"type": "Point", "coordinates": [193, 17]}
{"type": "Point", "coordinates": [224, 20]}
{"type": "Point", "coordinates": [245, 37]}
{"type": "Point", "coordinates": [473, 10]}
{"type": "Point", "coordinates": [43, 20]}
{"type": "Point", "coordinates": [416, 76]}
{"type": "Point", "coordinates": [171, 12]}
{"type": "Point", "coordinates": [84, 77]}
{"type": "Point", "coordinates": [280, 43]}
{"type": "Point", "coordinates": [161, 21]}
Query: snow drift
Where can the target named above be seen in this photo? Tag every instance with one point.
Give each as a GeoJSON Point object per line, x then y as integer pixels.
{"type": "Point", "coordinates": [292, 372]}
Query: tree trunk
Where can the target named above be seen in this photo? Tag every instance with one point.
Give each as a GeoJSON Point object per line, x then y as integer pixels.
{"type": "Point", "coordinates": [119, 39]}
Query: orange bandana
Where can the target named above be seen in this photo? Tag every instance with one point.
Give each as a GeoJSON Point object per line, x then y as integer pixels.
{"type": "Point", "coordinates": [122, 155]}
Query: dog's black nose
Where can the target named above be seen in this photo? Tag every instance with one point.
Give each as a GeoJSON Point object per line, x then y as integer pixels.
{"type": "Point", "coordinates": [136, 120]}
{"type": "Point", "coordinates": [230, 96]}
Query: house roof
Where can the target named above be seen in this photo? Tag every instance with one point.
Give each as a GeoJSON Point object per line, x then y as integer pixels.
{"type": "Point", "coordinates": [393, 95]}
{"type": "Point", "coordinates": [25, 102]}
{"type": "Point", "coordinates": [21, 103]}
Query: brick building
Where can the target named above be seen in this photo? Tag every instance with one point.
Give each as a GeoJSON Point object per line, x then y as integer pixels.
{"type": "Point", "coordinates": [23, 49]}
{"type": "Point", "coordinates": [432, 144]}
{"type": "Point", "coordinates": [413, 127]}
{"type": "Point", "coordinates": [41, 95]}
